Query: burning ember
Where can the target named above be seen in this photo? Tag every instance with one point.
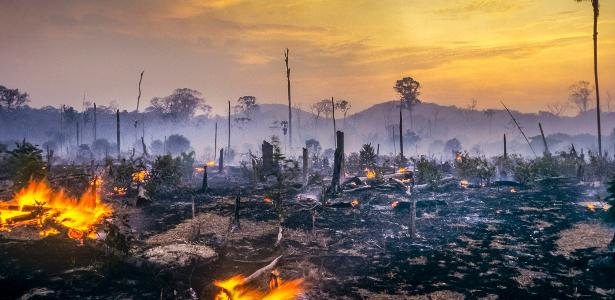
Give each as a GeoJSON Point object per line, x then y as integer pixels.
{"type": "Point", "coordinates": [458, 157]}
{"type": "Point", "coordinates": [354, 203]}
{"type": "Point", "coordinates": [403, 170]}
{"type": "Point", "coordinates": [394, 204]}
{"type": "Point", "coordinates": [199, 170]}
{"type": "Point", "coordinates": [234, 289]}
{"type": "Point", "coordinates": [38, 205]}
{"type": "Point", "coordinates": [211, 163]}
{"type": "Point", "coordinates": [120, 191]}
{"type": "Point", "coordinates": [513, 190]}
{"type": "Point", "coordinates": [591, 207]}
{"type": "Point", "coordinates": [268, 200]}
{"type": "Point", "coordinates": [371, 174]}
{"type": "Point", "coordinates": [139, 176]}
{"type": "Point", "coordinates": [464, 184]}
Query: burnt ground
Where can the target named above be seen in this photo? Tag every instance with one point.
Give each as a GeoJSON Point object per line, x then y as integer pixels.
{"type": "Point", "coordinates": [474, 243]}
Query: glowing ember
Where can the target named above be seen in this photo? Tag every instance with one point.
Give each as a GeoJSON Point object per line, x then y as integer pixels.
{"type": "Point", "coordinates": [591, 207]}
{"type": "Point", "coordinates": [403, 170]}
{"type": "Point", "coordinates": [394, 204]}
{"type": "Point", "coordinates": [464, 184]}
{"type": "Point", "coordinates": [513, 190]}
{"type": "Point", "coordinates": [606, 206]}
{"type": "Point", "coordinates": [199, 170]}
{"type": "Point", "coordinates": [120, 191]}
{"type": "Point", "coordinates": [234, 289]}
{"type": "Point", "coordinates": [458, 157]}
{"type": "Point", "coordinates": [371, 174]}
{"type": "Point", "coordinates": [139, 176]}
{"type": "Point", "coordinates": [37, 204]}
{"type": "Point", "coordinates": [211, 163]}
{"type": "Point", "coordinates": [354, 203]}
{"type": "Point", "coordinates": [268, 200]}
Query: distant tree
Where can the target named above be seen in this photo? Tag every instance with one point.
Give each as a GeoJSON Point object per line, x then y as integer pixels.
{"type": "Point", "coordinates": [343, 106]}
{"type": "Point", "coordinates": [557, 108]}
{"type": "Point", "coordinates": [580, 95]}
{"type": "Point", "coordinates": [409, 91]}
{"type": "Point", "coordinates": [411, 138]}
{"type": "Point", "coordinates": [101, 147]}
{"type": "Point", "coordinates": [11, 99]}
{"type": "Point", "coordinates": [367, 156]}
{"type": "Point", "coordinates": [452, 146]}
{"type": "Point", "coordinates": [157, 147]}
{"type": "Point", "coordinates": [177, 143]}
{"type": "Point", "coordinates": [246, 107]}
{"type": "Point", "coordinates": [313, 146]}
{"type": "Point", "coordinates": [181, 105]}
{"type": "Point", "coordinates": [322, 107]}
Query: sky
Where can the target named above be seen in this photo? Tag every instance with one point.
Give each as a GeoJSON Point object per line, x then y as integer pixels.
{"type": "Point", "coordinates": [526, 53]}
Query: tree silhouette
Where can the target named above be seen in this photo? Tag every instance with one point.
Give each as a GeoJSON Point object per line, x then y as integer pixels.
{"type": "Point", "coordinates": [580, 95]}
{"type": "Point", "coordinates": [11, 99]}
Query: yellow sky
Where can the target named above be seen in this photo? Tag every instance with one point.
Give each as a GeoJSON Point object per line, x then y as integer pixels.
{"type": "Point", "coordinates": [526, 53]}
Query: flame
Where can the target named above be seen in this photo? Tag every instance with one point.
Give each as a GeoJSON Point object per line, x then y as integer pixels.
{"type": "Point", "coordinates": [354, 203]}
{"type": "Point", "coordinates": [211, 163]}
{"type": "Point", "coordinates": [268, 200]}
{"type": "Point", "coordinates": [591, 207]}
{"type": "Point", "coordinates": [464, 184]}
{"type": "Point", "coordinates": [606, 206]}
{"type": "Point", "coordinates": [120, 191]}
{"type": "Point", "coordinates": [199, 170]}
{"type": "Point", "coordinates": [139, 176]}
{"type": "Point", "coordinates": [403, 170]}
{"type": "Point", "coordinates": [371, 174]}
{"type": "Point", "coordinates": [513, 190]}
{"type": "Point", "coordinates": [38, 200]}
{"type": "Point", "coordinates": [394, 204]}
{"type": "Point", "coordinates": [458, 157]}
{"type": "Point", "coordinates": [234, 289]}
{"type": "Point", "coordinates": [274, 280]}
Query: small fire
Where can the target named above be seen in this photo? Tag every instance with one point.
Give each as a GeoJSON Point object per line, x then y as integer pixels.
{"type": "Point", "coordinates": [38, 205]}
{"type": "Point", "coordinates": [139, 176]}
{"type": "Point", "coordinates": [606, 206]}
{"type": "Point", "coordinates": [591, 207]}
{"type": "Point", "coordinates": [268, 200]}
{"type": "Point", "coordinates": [199, 169]}
{"type": "Point", "coordinates": [464, 184]}
{"type": "Point", "coordinates": [354, 203]}
{"type": "Point", "coordinates": [394, 204]}
{"type": "Point", "coordinates": [513, 190]}
{"type": "Point", "coordinates": [96, 181]}
{"type": "Point", "coordinates": [234, 289]}
{"type": "Point", "coordinates": [458, 157]}
{"type": "Point", "coordinates": [211, 163]}
{"type": "Point", "coordinates": [120, 191]}
{"type": "Point", "coordinates": [371, 174]}
{"type": "Point", "coordinates": [403, 170]}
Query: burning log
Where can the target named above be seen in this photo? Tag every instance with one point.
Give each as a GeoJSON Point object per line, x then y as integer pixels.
{"type": "Point", "coordinates": [262, 270]}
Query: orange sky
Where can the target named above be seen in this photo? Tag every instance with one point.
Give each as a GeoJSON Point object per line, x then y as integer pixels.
{"type": "Point", "coordinates": [526, 53]}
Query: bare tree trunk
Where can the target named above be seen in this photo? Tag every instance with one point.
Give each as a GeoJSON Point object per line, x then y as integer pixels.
{"type": "Point", "coordinates": [216, 141]}
{"type": "Point", "coordinates": [204, 185]}
{"type": "Point", "coordinates": [228, 146]}
{"type": "Point", "coordinates": [94, 121]}
{"type": "Point", "coordinates": [544, 140]}
{"type": "Point", "coordinates": [221, 161]}
{"type": "Point", "coordinates": [595, 5]}
{"type": "Point", "coordinates": [290, 119]}
{"type": "Point", "coordinates": [337, 163]}
{"type": "Point", "coordinates": [117, 131]}
{"type": "Point", "coordinates": [505, 150]}
{"type": "Point", "coordinates": [401, 135]}
{"type": "Point", "coordinates": [334, 128]}
{"type": "Point", "coordinates": [305, 164]}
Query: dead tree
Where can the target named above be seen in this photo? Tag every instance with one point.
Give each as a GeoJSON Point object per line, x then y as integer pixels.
{"type": "Point", "coordinates": [334, 127]}
{"type": "Point", "coordinates": [221, 161]}
{"type": "Point", "coordinates": [216, 141]}
{"type": "Point", "coordinates": [337, 163]}
{"type": "Point", "coordinates": [144, 147]}
{"type": "Point", "coordinates": [519, 127]}
{"type": "Point", "coordinates": [228, 146]}
{"type": "Point", "coordinates": [401, 135]}
{"type": "Point", "coordinates": [305, 164]}
{"type": "Point", "coordinates": [544, 140]}
{"type": "Point", "coordinates": [267, 150]}
{"type": "Point", "coordinates": [290, 119]}
{"type": "Point", "coordinates": [505, 150]}
{"type": "Point", "coordinates": [117, 128]}
{"type": "Point", "coordinates": [235, 224]}
{"type": "Point", "coordinates": [204, 185]}
{"type": "Point", "coordinates": [94, 121]}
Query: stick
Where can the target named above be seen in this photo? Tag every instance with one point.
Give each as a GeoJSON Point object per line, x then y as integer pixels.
{"type": "Point", "coordinates": [290, 119]}
{"type": "Point", "coordinates": [262, 270]}
{"type": "Point", "coordinates": [519, 127]}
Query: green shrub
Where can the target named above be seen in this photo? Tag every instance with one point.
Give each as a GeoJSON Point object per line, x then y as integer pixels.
{"type": "Point", "coordinates": [165, 176]}
{"type": "Point", "coordinates": [477, 167]}
{"type": "Point", "coordinates": [25, 162]}
{"type": "Point", "coordinates": [611, 197]}
{"type": "Point", "coordinates": [426, 170]}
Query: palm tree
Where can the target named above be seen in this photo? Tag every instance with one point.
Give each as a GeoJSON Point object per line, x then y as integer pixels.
{"type": "Point", "coordinates": [596, 7]}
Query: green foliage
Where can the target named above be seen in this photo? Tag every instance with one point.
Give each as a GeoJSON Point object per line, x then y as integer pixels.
{"type": "Point", "coordinates": [473, 167]}
{"type": "Point", "coordinates": [121, 174]}
{"type": "Point", "coordinates": [25, 162]}
{"type": "Point", "coordinates": [165, 176]}
{"type": "Point", "coordinates": [611, 197]}
{"type": "Point", "coordinates": [186, 161]}
{"type": "Point", "coordinates": [426, 170]}
{"type": "Point", "coordinates": [367, 156]}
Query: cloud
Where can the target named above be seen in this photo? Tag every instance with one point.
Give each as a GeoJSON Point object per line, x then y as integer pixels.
{"type": "Point", "coordinates": [479, 6]}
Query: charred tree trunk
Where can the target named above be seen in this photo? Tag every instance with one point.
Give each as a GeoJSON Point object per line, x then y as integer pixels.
{"type": "Point", "coordinates": [305, 164]}
{"type": "Point", "coordinates": [95, 122]}
{"type": "Point", "coordinates": [596, 7]}
{"type": "Point", "coordinates": [221, 161]}
{"type": "Point", "coordinates": [505, 150]}
{"type": "Point", "coordinates": [378, 150]}
{"type": "Point", "coordinates": [334, 127]}
{"type": "Point", "coordinates": [544, 140]}
{"type": "Point", "coordinates": [268, 166]}
{"type": "Point", "coordinates": [216, 141]}
{"type": "Point", "coordinates": [337, 163]}
{"type": "Point", "coordinates": [228, 146]}
{"type": "Point", "coordinates": [117, 131]}
{"type": "Point", "coordinates": [401, 135]}
{"type": "Point", "coordinates": [144, 146]}
{"type": "Point", "coordinates": [290, 118]}
{"type": "Point", "coordinates": [204, 184]}
{"type": "Point", "coordinates": [235, 223]}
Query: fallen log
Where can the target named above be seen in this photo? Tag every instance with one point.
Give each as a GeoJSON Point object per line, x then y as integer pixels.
{"type": "Point", "coordinates": [262, 270]}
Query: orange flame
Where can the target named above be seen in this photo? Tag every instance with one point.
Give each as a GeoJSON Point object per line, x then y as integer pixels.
{"type": "Point", "coordinates": [403, 170]}
{"type": "Point", "coordinates": [354, 203]}
{"type": "Point", "coordinates": [513, 190]}
{"type": "Point", "coordinates": [458, 157]}
{"type": "Point", "coordinates": [268, 200]}
{"type": "Point", "coordinates": [79, 216]}
{"type": "Point", "coordinates": [199, 169]}
{"type": "Point", "coordinates": [120, 191]}
{"type": "Point", "coordinates": [591, 207]}
{"type": "Point", "coordinates": [394, 204]}
{"type": "Point", "coordinates": [464, 184]}
{"type": "Point", "coordinates": [211, 163]}
{"type": "Point", "coordinates": [371, 174]}
{"type": "Point", "coordinates": [139, 176]}
{"type": "Point", "coordinates": [234, 289]}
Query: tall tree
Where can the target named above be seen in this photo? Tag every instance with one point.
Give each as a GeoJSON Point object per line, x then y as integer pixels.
{"type": "Point", "coordinates": [11, 99]}
{"type": "Point", "coordinates": [179, 106]}
{"type": "Point", "coordinates": [290, 117]}
{"type": "Point", "coordinates": [409, 91]}
{"type": "Point", "coordinates": [580, 95]}
{"type": "Point", "coordinates": [596, 10]}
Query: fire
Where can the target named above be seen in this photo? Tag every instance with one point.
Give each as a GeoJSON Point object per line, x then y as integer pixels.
{"type": "Point", "coordinates": [120, 191]}
{"type": "Point", "coordinates": [199, 169]}
{"type": "Point", "coordinates": [403, 170]}
{"type": "Point", "coordinates": [37, 204]}
{"type": "Point", "coordinates": [234, 289]}
{"type": "Point", "coordinates": [458, 157]}
{"type": "Point", "coordinates": [139, 176]}
{"type": "Point", "coordinates": [606, 206]}
{"type": "Point", "coordinates": [464, 184]}
{"type": "Point", "coordinates": [371, 174]}
{"type": "Point", "coordinates": [211, 163]}
{"type": "Point", "coordinates": [513, 190]}
{"type": "Point", "coordinates": [591, 207]}
{"type": "Point", "coordinates": [394, 204]}
{"type": "Point", "coordinates": [268, 200]}
{"type": "Point", "coordinates": [354, 203]}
